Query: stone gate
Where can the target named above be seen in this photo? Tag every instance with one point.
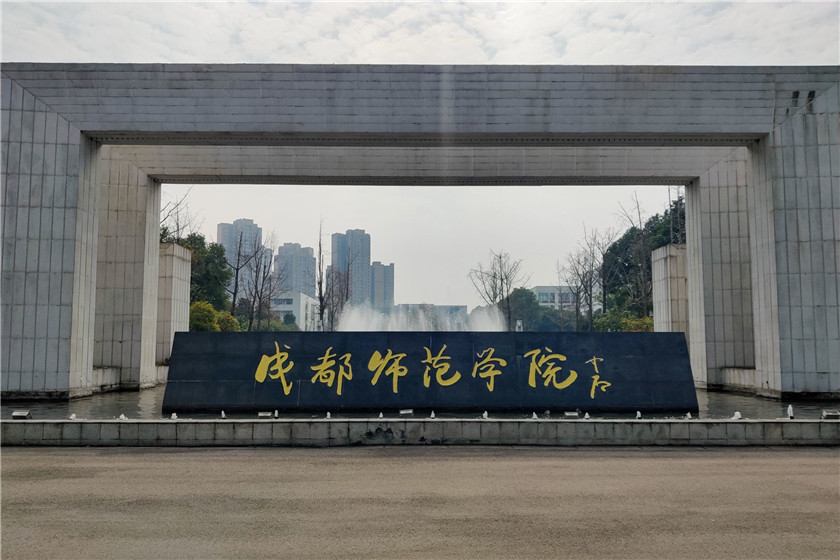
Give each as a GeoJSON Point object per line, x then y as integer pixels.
{"type": "Point", "coordinates": [85, 148]}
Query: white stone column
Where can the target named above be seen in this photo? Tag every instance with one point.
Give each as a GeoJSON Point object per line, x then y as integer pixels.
{"type": "Point", "coordinates": [795, 237]}
{"type": "Point", "coordinates": [173, 300]}
{"type": "Point", "coordinates": [670, 289]}
{"type": "Point", "coordinates": [719, 274]}
{"type": "Point", "coordinates": [127, 277]}
{"type": "Point", "coordinates": [49, 185]}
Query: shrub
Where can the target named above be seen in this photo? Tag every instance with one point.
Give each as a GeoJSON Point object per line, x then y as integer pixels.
{"type": "Point", "coordinates": [203, 317]}
{"type": "Point", "coordinates": [637, 324]}
{"type": "Point", "coordinates": [622, 321]}
{"type": "Point", "coordinates": [227, 322]}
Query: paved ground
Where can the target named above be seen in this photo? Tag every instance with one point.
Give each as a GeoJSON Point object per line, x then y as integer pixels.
{"type": "Point", "coordinates": [440, 502]}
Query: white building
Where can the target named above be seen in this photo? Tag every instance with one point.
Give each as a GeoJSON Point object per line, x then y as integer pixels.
{"type": "Point", "coordinates": [303, 307]}
{"type": "Point", "coordinates": [555, 297]}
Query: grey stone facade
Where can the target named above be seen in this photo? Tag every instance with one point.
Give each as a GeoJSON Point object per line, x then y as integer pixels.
{"type": "Point", "coordinates": [670, 290]}
{"type": "Point", "coordinates": [86, 146]}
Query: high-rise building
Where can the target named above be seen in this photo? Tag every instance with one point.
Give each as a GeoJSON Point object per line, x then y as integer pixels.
{"type": "Point", "coordinates": [351, 257]}
{"type": "Point", "coordinates": [296, 267]}
{"type": "Point", "coordinates": [229, 235]}
{"type": "Point", "coordinates": [240, 239]}
{"type": "Point", "coordinates": [382, 285]}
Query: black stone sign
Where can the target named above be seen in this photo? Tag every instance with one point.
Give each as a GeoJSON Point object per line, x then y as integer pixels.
{"type": "Point", "coordinates": [456, 371]}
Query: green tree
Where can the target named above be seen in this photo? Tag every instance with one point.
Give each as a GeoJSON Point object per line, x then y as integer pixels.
{"type": "Point", "coordinates": [246, 310]}
{"type": "Point", "coordinates": [524, 307]}
{"type": "Point", "coordinates": [496, 281]}
{"type": "Point", "coordinates": [629, 286]}
{"type": "Point", "coordinates": [227, 322]}
{"type": "Point", "coordinates": [203, 317]}
{"type": "Point", "coordinates": [553, 320]}
{"type": "Point", "coordinates": [610, 321]}
{"type": "Point", "coordinates": [210, 274]}
{"type": "Point", "coordinates": [279, 326]}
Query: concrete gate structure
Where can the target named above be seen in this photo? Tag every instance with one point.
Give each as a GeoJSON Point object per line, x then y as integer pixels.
{"type": "Point", "coordinates": [85, 148]}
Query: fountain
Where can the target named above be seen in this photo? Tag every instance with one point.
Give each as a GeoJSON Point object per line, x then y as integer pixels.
{"type": "Point", "coordinates": [426, 318]}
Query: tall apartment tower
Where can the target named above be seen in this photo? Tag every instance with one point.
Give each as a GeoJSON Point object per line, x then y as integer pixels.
{"type": "Point", "coordinates": [296, 267]}
{"type": "Point", "coordinates": [351, 253]}
{"type": "Point", "coordinates": [382, 286]}
{"type": "Point", "coordinates": [229, 235]}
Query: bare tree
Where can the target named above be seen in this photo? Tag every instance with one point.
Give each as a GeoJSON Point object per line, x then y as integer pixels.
{"type": "Point", "coordinates": [635, 274]}
{"type": "Point", "coordinates": [497, 280]}
{"type": "Point", "coordinates": [339, 293]}
{"type": "Point", "coordinates": [568, 278]}
{"type": "Point", "coordinates": [238, 263]}
{"type": "Point", "coordinates": [176, 221]}
{"type": "Point", "coordinates": [321, 283]}
{"type": "Point", "coordinates": [262, 283]}
{"type": "Point", "coordinates": [580, 275]}
{"type": "Point", "coordinates": [596, 245]}
{"type": "Point", "coordinates": [583, 274]}
{"type": "Point", "coordinates": [676, 217]}
{"type": "Point", "coordinates": [332, 286]}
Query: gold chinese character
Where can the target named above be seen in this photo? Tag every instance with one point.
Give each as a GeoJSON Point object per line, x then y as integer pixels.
{"type": "Point", "coordinates": [378, 363]}
{"type": "Point", "coordinates": [486, 367]}
{"type": "Point", "coordinates": [325, 373]}
{"type": "Point", "coordinates": [440, 366]}
{"type": "Point", "coordinates": [598, 384]}
{"type": "Point", "coordinates": [546, 364]}
{"type": "Point", "coordinates": [594, 361]}
{"type": "Point", "coordinates": [277, 364]}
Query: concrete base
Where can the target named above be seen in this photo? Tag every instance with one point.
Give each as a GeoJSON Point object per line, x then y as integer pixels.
{"type": "Point", "coordinates": [35, 395]}
{"type": "Point", "coordinates": [161, 373]}
{"type": "Point", "coordinates": [739, 380]}
{"type": "Point", "coordinates": [106, 380]}
{"type": "Point", "coordinates": [328, 433]}
{"type": "Point", "coordinates": [815, 396]}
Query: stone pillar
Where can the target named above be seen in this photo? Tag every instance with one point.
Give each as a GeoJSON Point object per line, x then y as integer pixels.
{"type": "Point", "coordinates": [719, 272]}
{"type": "Point", "coordinates": [127, 277]}
{"type": "Point", "coordinates": [49, 186]}
{"type": "Point", "coordinates": [670, 291]}
{"type": "Point", "coordinates": [173, 301]}
{"type": "Point", "coordinates": [795, 237]}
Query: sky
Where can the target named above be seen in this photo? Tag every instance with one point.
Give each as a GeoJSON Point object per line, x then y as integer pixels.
{"type": "Point", "coordinates": [434, 235]}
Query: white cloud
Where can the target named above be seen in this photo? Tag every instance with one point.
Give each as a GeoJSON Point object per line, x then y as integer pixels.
{"type": "Point", "coordinates": [424, 32]}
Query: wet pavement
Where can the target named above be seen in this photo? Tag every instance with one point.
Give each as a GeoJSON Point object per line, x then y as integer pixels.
{"type": "Point", "coordinates": [146, 405]}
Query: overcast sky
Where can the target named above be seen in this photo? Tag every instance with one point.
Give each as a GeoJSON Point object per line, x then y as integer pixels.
{"type": "Point", "coordinates": [434, 235]}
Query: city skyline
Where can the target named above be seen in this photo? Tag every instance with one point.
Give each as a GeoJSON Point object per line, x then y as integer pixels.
{"type": "Point", "coordinates": [350, 207]}
{"type": "Point", "coordinates": [296, 265]}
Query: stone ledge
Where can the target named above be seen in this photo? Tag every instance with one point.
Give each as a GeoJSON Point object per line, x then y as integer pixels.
{"type": "Point", "coordinates": [413, 431]}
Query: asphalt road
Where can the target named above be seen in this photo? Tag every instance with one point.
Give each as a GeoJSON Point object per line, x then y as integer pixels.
{"type": "Point", "coordinates": [430, 502]}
